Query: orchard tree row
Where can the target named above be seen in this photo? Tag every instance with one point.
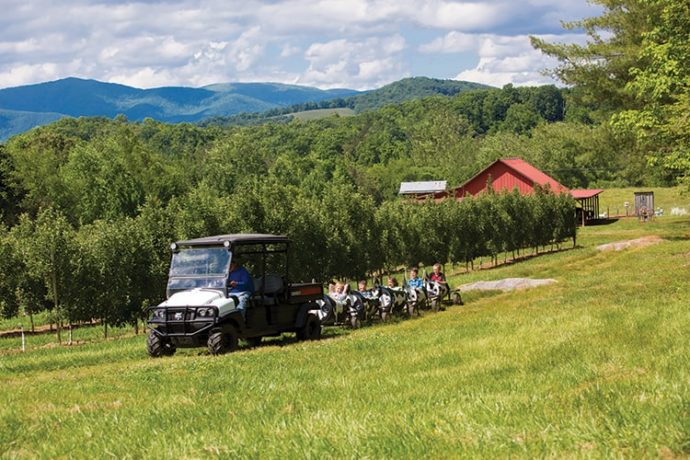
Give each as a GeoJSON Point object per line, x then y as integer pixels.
{"type": "Point", "coordinates": [112, 270]}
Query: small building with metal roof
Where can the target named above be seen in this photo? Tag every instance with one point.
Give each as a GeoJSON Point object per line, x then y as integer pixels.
{"type": "Point", "coordinates": [437, 189]}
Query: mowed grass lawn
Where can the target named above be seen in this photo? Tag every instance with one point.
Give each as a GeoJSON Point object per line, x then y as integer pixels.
{"type": "Point", "coordinates": [597, 365]}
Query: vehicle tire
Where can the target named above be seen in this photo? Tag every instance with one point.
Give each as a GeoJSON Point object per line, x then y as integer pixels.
{"type": "Point", "coordinates": [254, 341]}
{"type": "Point", "coordinates": [355, 322]}
{"type": "Point", "coordinates": [457, 299]}
{"type": "Point", "coordinates": [311, 329]}
{"type": "Point", "coordinates": [219, 342]}
{"type": "Point", "coordinates": [156, 346]}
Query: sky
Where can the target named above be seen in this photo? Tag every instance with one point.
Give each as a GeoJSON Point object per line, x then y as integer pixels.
{"type": "Point", "coordinates": [357, 44]}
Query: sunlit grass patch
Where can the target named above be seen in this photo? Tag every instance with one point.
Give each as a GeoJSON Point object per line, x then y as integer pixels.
{"type": "Point", "coordinates": [592, 366]}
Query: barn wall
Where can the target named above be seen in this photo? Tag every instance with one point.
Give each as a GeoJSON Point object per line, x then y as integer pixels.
{"type": "Point", "coordinates": [503, 178]}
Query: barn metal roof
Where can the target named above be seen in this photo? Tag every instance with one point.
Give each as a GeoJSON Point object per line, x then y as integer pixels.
{"type": "Point", "coordinates": [582, 193]}
{"type": "Point", "coordinates": [525, 169]}
{"type": "Point", "coordinates": [413, 188]}
{"type": "Point", "coordinates": [535, 175]}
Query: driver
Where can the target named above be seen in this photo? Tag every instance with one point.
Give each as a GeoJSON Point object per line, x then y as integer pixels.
{"type": "Point", "coordinates": [241, 284]}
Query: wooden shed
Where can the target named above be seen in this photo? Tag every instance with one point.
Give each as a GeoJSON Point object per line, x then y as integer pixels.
{"type": "Point", "coordinates": [644, 205]}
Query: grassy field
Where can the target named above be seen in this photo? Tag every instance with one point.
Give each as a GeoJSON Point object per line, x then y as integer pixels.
{"type": "Point", "coordinates": [322, 113]}
{"type": "Point", "coordinates": [665, 198]}
{"type": "Point", "coordinates": [595, 365]}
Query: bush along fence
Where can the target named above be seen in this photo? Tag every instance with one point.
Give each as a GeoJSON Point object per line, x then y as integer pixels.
{"type": "Point", "coordinates": [112, 270]}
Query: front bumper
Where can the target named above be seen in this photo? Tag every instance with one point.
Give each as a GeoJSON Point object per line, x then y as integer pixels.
{"type": "Point", "coordinates": [182, 321]}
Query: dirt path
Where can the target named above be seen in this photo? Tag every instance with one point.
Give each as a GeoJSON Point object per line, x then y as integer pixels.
{"type": "Point", "coordinates": [626, 244]}
{"type": "Point", "coordinates": [507, 284]}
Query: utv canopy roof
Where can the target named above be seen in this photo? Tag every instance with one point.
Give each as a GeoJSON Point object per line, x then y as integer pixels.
{"type": "Point", "coordinates": [235, 239]}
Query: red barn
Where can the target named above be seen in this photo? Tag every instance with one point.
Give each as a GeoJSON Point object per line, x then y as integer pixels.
{"type": "Point", "coordinates": [507, 174]}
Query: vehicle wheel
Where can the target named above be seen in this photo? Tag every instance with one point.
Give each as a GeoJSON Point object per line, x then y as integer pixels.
{"type": "Point", "coordinates": [355, 322]}
{"type": "Point", "coordinates": [254, 341]}
{"type": "Point", "coordinates": [157, 347]}
{"type": "Point", "coordinates": [311, 329]}
{"type": "Point", "coordinates": [219, 342]}
{"type": "Point", "coordinates": [457, 299]}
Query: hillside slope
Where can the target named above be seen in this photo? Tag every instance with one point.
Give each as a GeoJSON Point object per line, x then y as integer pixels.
{"type": "Point", "coordinates": [594, 366]}
{"type": "Point", "coordinates": [394, 93]}
{"type": "Point", "coordinates": [26, 106]}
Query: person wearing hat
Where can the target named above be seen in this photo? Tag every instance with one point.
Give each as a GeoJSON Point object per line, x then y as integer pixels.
{"type": "Point", "coordinates": [240, 283]}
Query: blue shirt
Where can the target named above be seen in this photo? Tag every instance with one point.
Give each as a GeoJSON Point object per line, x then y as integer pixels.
{"type": "Point", "coordinates": [416, 282]}
{"type": "Point", "coordinates": [245, 283]}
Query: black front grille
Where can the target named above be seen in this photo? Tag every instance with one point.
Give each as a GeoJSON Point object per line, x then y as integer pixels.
{"type": "Point", "coordinates": [182, 321]}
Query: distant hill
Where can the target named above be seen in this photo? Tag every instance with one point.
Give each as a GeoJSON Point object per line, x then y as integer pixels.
{"type": "Point", "coordinates": [13, 121]}
{"type": "Point", "coordinates": [24, 107]}
{"type": "Point", "coordinates": [393, 93]}
{"type": "Point", "coordinates": [410, 88]}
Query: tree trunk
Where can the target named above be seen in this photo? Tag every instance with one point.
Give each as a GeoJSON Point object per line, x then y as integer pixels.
{"type": "Point", "coordinates": [31, 319]}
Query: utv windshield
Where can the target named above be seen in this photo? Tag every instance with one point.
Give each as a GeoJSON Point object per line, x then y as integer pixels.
{"type": "Point", "coordinates": [198, 268]}
{"type": "Point", "coordinates": [200, 262]}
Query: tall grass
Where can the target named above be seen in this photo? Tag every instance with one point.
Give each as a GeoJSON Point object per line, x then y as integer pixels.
{"type": "Point", "coordinates": [593, 366]}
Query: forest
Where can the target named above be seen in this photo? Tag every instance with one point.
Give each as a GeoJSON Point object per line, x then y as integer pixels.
{"type": "Point", "coordinates": [90, 205]}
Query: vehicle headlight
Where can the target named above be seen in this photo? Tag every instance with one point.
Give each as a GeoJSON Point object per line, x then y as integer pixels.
{"type": "Point", "coordinates": [159, 313]}
{"type": "Point", "coordinates": [204, 312]}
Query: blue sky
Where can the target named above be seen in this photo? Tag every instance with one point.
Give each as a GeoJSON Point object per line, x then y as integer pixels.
{"type": "Point", "coordinates": [359, 44]}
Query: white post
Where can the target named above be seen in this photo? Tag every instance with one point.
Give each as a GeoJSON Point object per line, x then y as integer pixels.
{"type": "Point", "coordinates": [23, 339]}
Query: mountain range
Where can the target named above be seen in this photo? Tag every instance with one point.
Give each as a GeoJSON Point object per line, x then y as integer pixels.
{"type": "Point", "coordinates": [24, 107]}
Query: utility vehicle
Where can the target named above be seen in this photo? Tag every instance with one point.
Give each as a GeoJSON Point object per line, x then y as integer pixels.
{"type": "Point", "coordinates": [200, 310]}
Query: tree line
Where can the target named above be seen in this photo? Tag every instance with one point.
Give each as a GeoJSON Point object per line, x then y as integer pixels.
{"type": "Point", "coordinates": [111, 270]}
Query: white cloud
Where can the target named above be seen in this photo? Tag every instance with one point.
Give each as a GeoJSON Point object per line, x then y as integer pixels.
{"type": "Point", "coordinates": [465, 16]}
{"type": "Point", "coordinates": [289, 51]}
{"type": "Point", "coordinates": [359, 65]}
{"type": "Point", "coordinates": [452, 42]}
{"type": "Point", "coordinates": [504, 60]}
{"type": "Point", "coordinates": [355, 43]}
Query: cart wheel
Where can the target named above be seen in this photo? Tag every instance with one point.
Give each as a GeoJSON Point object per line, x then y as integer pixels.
{"type": "Point", "coordinates": [311, 329]}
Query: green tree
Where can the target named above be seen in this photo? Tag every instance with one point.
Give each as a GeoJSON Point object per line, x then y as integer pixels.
{"type": "Point", "coordinates": [660, 87]}
{"type": "Point", "coordinates": [47, 246]}
{"type": "Point", "coordinates": [520, 119]}
{"type": "Point", "coordinates": [601, 69]}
